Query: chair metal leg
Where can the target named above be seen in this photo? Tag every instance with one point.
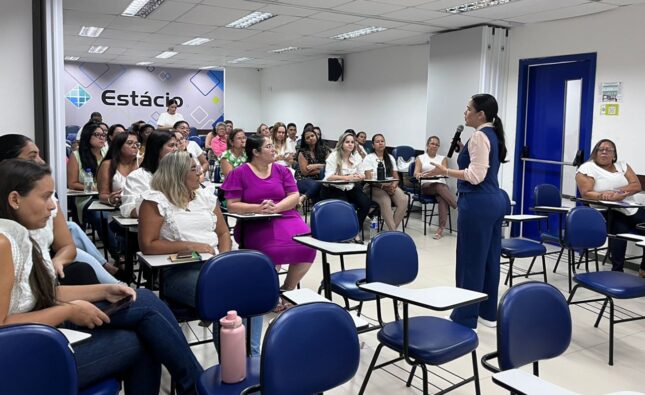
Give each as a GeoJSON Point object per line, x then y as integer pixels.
{"type": "Point", "coordinates": [425, 218]}
{"type": "Point", "coordinates": [611, 331]}
{"type": "Point", "coordinates": [476, 373]}
{"type": "Point", "coordinates": [411, 377]}
{"type": "Point", "coordinates": [424, 370]}
{"type": "Point", "coordinates": [342, 263]}
{"type": "Point", "coordinates": [557, 261]}
{"type": "Point", "coordinates": [530, 267]}
{"type": "Point", "coordinates": [602, 311]}
{"type": "Point", "coordinates": [544, 268]}
{"type": "Point", "coordinates": [570, 261]}
{"type": "Point", "coordinates": [370, 369]}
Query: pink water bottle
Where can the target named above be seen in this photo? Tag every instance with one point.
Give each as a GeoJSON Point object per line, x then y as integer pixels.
{"type": "Point", "coordinates": [233, 348]}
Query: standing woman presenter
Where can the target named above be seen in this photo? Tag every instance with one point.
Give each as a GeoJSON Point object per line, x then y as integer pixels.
{"type": "Point", "coordinates": [481, 206]}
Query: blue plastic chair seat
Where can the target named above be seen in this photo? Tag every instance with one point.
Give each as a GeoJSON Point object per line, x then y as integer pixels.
{"type": "Point", "coordinates": [433, 340]}
{"type": "Point", "coordinates": [107, 387]}
{"type": "Point", "coordinates": [344, 283]}
{"type": "Point", "coordinates": [210, 382]}
{"type": "Point", "coordinates": [426, 199]}
{"type": "Point", "coordinates": [549, 238]}
{"type": "Point", "coordinates": [617, 285]}
{"type": "Point", "coordinates": [522, 248]}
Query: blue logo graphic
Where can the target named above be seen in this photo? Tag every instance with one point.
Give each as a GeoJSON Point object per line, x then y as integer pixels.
{"type": "Point", "coordinates": [78, 96]}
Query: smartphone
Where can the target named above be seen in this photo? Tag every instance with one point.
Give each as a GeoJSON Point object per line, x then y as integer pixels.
{"type": "Point", "coordinates": [117, 306]}
{"type": "Point", "coordinates": [184, 254]}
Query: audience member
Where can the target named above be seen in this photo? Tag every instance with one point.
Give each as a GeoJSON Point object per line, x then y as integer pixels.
{"type": "Point", "coordinates": [144, 131]}
{"type": "Point", "coordinates": [235, 155]}
{"type": "Point", "coordinates": [361, 137]}
{"type": "Point", "coordinates": [170, 117]}
{"type": "Point", "coordinates": [263, 130]}
{"type": "Point", "coordinates": [191, 146]}
{"type": "Point", "coordinates": [218, 142]}
{"type": "Point", "coordinates": [112, 131]}
{"type": "Point", "coordinates": [311, 162]}
{"type": "Point", "coordinates": [292, 138]}
{"type": "Point", "coordinates": [283, 157]}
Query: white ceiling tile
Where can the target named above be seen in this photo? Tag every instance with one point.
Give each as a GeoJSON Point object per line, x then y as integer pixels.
{"type": "Point", "coordinates": [457, 21]}
{"type": "Point", "coordinates": [227, 33]}
{"type": "Point", "coordinates": [85, 18]}
{"type": "Point", "coordinates": [407, 3]}
{"type": "Point", "coordinates": [185, 30]}
{"type": "Point", "coordinates": [523, 7]}
{"type": "Point", "coordinates": [368, 7]}
{"type": "Point", "coordinates": [317, 3]}
{"type": "Point", "coordinates": [243, 45]}
{"type": "Point", "coordinates": [336, 16]}
{"type": "Point", "coordinates": [441, 4]}
{"type": "Point", "coordinates": [212, 16]}
{"type": "Point", "coordinates": [421, 28]}
{"type": "Point", "coordinates": [623, 2]}
{"type": "Point", "coordinates": [380, 22]}
{"type": "Point", "coordinates": [308, 26]}
{"type": "Point", "coordinates": [170, 10]}
{"type": "Point", "coordinates": [136, 24]}
{"type": "Point", "coordinates": [285, 10]}
{"type": "Point", "coordinates": [386, 36]}
{"type": "Point", "coordinates": [124, 35]}
{"type": "Point", "coordinates": [235, 4]}
{"type": "Point", "coordinates": [276, 21]}
{"type": "Point", "coordinates": [115, 43]}
{"type": "Point", "coordinates": [570, 12]}
{"type": "Point", "coordinates": [413, 40]}
{"type": "Point", "coordinates": [114, 7]}
{"type": "Point", "coordinates": [339, 30]}
{"type": "Point", "coordinates": [271, 37]}
{"type": "Point", "coordinates": [414, 14]}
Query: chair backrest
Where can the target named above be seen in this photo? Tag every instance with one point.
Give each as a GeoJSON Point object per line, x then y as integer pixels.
{"type": "Point", "coordinates": [585, 228]}
{"type": "Point", "coordinates": [36, 359]}
{"type": "Point", "coordinates": [197, 140]}
{"type": "Point", "coordinates": [309, 349]}
{"type": "Point", "coordinates": [334, 220]}
{"type": "Point", "coordinates": [403, 151]}
{"type": "Point", "coordinates": [369, 146]}
{"type": "Point", "coordinates": [533, 323]}
{"type": "Point", "coordinates": [392, 258]}
{"type": "Point", "coordinates": [72, 129]}
{"type": "Point", "coordinates": [193, 131]}
{"type": "Point", "coordinates": [547, 195]}
{"type": "Point", "coordinates": [242, 280]}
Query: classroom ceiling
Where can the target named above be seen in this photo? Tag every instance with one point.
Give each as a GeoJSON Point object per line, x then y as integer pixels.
{"type": "Point", "coordinates": [305, 24]}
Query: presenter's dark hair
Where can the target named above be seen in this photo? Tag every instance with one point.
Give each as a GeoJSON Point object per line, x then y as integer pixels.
{"type": "Point", "coordinates": [171, 102]}
{"type": "Point", "coordinates": [487, 103]}
{"type": "Point", "coordinates": [11, 145]}
{"type": "Point", "coordinates": [154, 145]}
{"type": "Point", "coordinates": [253, 143]}
{"type": "Point", "coordinates": [21, 176]}
{"type": "Point", "coordinates": [594, 151]}
{"type": "Point", "coordinates": [88, 160]}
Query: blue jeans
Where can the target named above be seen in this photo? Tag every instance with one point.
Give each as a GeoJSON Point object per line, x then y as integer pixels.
{"type": "Point", "coordinates": [309, 187]}
{"type": "Point", "coordinates": [101, 274]}
{"type": "Point", "coordinates": [134, 344]}
{"type": "Point", "coordinates": [86, 252]}
{"type": "Point", "coordinates": [180, 285]}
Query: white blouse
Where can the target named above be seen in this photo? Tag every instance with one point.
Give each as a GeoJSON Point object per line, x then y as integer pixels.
{"type": "Point", "coordinates": [166, 120]}
{"type": "Point", "coordinates": [427, 166]}
{"type": "Point", "coordinates": [195, 223]}
{"type": "Point", "coordinates": [355, 166]}
{"type": "Point", "coordinates": [22, 297]}
{"type": "Point", "coordinates": [136, 183]}
{"type": "Point", "coordinates": [607, 181]}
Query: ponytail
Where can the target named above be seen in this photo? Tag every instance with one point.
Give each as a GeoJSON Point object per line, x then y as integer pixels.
{"type": "Point", "coordinates": [501, 143]}
{"type": "Point", "coordinates": [487, 103]}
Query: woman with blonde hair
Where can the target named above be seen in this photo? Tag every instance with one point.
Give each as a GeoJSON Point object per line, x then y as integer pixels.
{"type": "Point", "coordinates": [283, 156]}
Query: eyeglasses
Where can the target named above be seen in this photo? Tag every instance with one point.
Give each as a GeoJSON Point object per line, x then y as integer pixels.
{"type": "Point", "coordinates": [181, 140]}
{"type": "Point", "coordinates": [606, 150]}
{"type": "Point", "coordinates": [268, 146]}
{"type": "Point", "coordinates": [99, 135]}
{"type": "Point", "coordinates": [135, 144]}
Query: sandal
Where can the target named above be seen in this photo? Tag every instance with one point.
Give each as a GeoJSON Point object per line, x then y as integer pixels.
{"type": "Point", "coordinates": [282, 305]}
{"type": "Point", "coordinates": [438, 234]}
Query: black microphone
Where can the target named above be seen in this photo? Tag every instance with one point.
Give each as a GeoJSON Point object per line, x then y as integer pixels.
{"type": "Point", "coordinates": [454, 146]}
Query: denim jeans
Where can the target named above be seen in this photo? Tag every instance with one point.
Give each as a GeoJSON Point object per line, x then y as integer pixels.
{"type": "Point", "coordinates": [102, 275]}
{"type": "Point", "coordinates": [310, 187]}
{"type": "Point", "coordinates": [84, 243]}
{"type": "Point", "coordinates": [133, 345]}
{"type": "Point", "coordinates": [180, 285]}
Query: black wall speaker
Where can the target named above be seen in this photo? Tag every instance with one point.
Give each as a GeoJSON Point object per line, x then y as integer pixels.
{"type": "Point", "coordinates": [334, 69]}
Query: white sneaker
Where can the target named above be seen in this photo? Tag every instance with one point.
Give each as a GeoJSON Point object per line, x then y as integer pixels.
{"type": "Point", "coordinates": [490, 324]}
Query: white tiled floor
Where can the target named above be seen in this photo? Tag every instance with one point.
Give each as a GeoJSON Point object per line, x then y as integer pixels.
{"type": "Point", "coordinates": [583, 368]}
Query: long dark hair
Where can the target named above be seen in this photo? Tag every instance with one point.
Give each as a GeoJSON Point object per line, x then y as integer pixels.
{"type": "Point", "coordinates": [154, 145]}
{"type": "Point", "coordinates": [11, 145]}
{"type": "Point", "coordinates": [386, 156]}
{"type": "Point", "coordinates": [88, 160]}
{"type": "Point", "coordinates": [487, 103]}
{"type": "Point", "coordinates": [114, 153]}
{"type": "Point", "coordinates": [21, 176]}
{"type": "Point", "coordinates": [253, 143]}
{"type": "Point", "coordinates": [111, 130]}
{"type": "Point", "coordinates": [319, 152]}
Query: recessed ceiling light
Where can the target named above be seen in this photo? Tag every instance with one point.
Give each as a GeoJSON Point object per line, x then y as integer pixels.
{"type": "Point", "coordinates": [358, 33]}
{"type": "Point", "coordinates": [143, 63]}
{"type": "Point", "coordinates": [141, 8]}
{"type": "Point", "coordinates": [196, 41]}
{"type": "Point", "coordinates": [250, 20]}
{"type": "Point", "coordinates": [98, 49]}
{"type": "Point", "coordinates": [283, 50]}
{"type": "Point", "coordinates": [240, 60]}
{"type": "Point", "coordinates": [210, 67]}
{"type": "Point", "coordinates": [166, 55]}
{"type": "Point", "coordinates": [475, 5]}
{"type": "Point", "coordinates": [72, 58]}
{"type": "Point", "coordinates": [90, 31]}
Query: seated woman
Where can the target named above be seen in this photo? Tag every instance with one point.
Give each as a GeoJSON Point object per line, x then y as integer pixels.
{"type": "Point", "coordinates": [136, 183]}
{"type": "Point", "coordinates": [345, 164]}
{"type": "Point", "coordinates": [177, 215]}
{"type": "Point", "coordinates": [145, 334]}
{"type": "Point", "coordinates": [235, 156]}
{"type": "Point", "coordinates": [423, 167]}
{"type": "Point", "coordinates": [311, 161]}
{"type": "Point", "coordinates": [604, 177]}
{"type": "Point", "coordinates": [114, 131]}
{"type": "Point", "coordinates": [385, 195]}
{"type": "Point", "coordinates": [192, 147]}
{"type": "Point", "coordinates": [143, 131]}
{"type": "Point", "coordinates": [361, 137]}
{"type": "Point", "coordinates": [263, 130]}
{"type": "Point", "coordinates": [259, 186]}
{"type": "Point", "coordinates": [283, 156]}
{"type": "Point", "coordinates": [218, 143]}
{"type": "Point", "coordinates": [120, 160]}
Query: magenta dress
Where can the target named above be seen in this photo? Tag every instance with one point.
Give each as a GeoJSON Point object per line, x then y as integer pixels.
{"type": "Point", "coordinates": [272, 237]}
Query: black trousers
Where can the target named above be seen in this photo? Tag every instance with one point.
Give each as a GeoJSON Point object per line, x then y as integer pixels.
{"type": "Point", "coordinates": [354, 196]}
{"type": "Point", "coordinates": [79, 273]}
{"type": "Point", "coordinates": [621, 223]}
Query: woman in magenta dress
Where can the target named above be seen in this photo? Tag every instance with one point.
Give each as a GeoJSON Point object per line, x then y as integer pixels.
{"type": "Point", "coordinates": [262, 186]}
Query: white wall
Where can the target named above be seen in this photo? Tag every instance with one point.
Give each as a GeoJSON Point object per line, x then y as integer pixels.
{"type": "Point", "coordinates": [384, 91]}
{"type": "Point", "coordinates": [16, 69]}
{"type": "Point", "coordinates": [242, 101]}
{"type": "Point", "coordinates": [616, 37]}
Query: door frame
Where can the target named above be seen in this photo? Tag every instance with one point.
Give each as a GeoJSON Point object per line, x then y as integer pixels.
{"type": "Point", "coordinates": [586, 118]}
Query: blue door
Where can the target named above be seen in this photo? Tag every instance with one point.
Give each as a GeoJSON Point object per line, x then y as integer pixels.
{"type": "Point", "coordinates": [555, 111]}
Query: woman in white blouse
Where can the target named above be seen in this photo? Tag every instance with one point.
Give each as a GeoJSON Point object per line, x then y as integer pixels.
{"type": "Point", "coordinates": [345, 164]}
{"type": "Point", "coordinates": [389, 193]}
{"type": "Point", "coordinates": [177, 215]}
{"type": "Point", "coordinates": [604, 177]}
{"type": "Point", "coordinates": [167, 119]}
{"type": "Point", "coordinates": [424, 167]}
{"type": "Point", "coordinates": [283, 155]}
